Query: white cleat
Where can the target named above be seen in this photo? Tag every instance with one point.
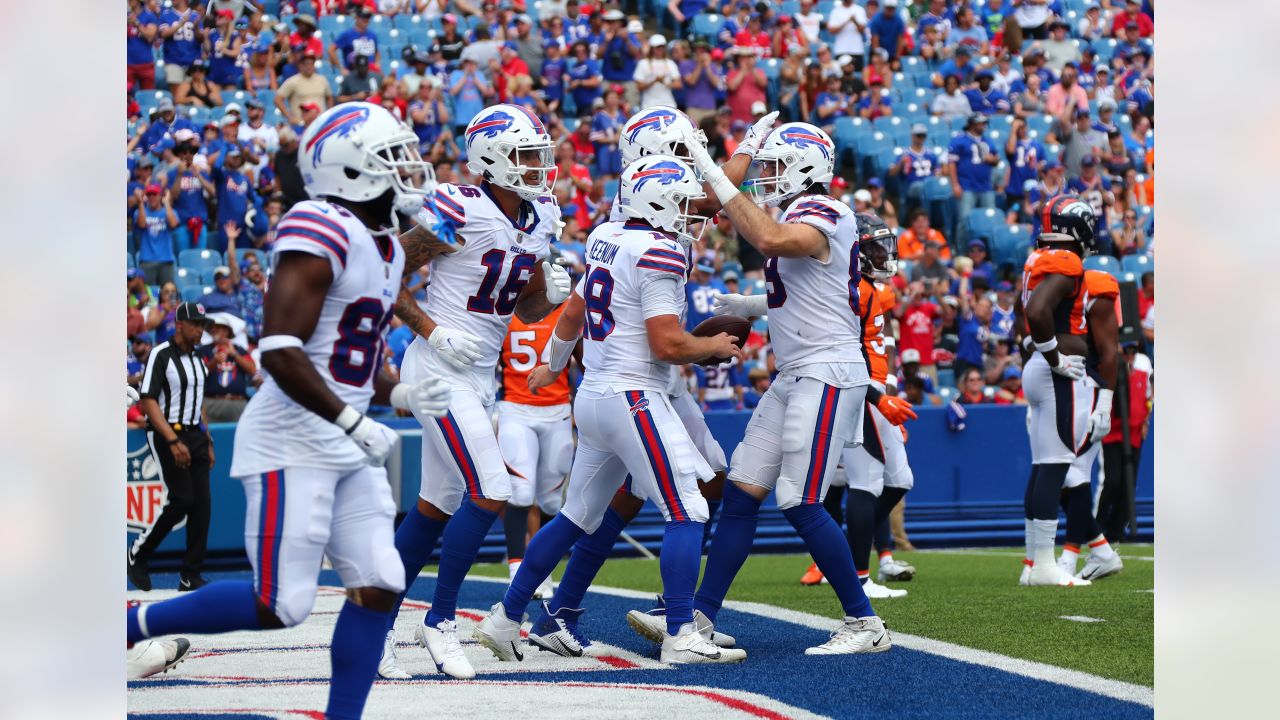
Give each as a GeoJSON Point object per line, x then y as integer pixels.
{"type": "Point", "coordinates": [647, 625]}
{"type": "Point", "coordinates": [558, 633]}
{"type": "Point", "coordinates": [545, 591]}
{"type": "Point", "coordinates": [442, 644]}
{"type": "Point", "coordinates": [387, 667]}
{"type": "Point", "coordinates": [1051, 575]}
{"type": "Point", "coordinates": [876, 591]}
{"type": "Point", "coordinates": [500, 634]}
{"type": "Point", "coordinates": [895, 571]}
{"type": "Point", "coordinates": [708, 630]}
{"type": "Point", "coordinates": [857, 635]}
{"type": "Point", "coordinates": [152, 657]}
{"type": "Point", "coordinates": [1025, 578]}
{"type": "Point", "coordinates": [1096, 568]}
{"type": "Point", "coordinates": [691, 647]}
{"type": "Point", "coordinates": [1068, 564]}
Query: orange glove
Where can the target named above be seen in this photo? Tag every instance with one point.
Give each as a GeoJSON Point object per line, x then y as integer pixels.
{"type": "Point", "coordinates": [895, 409]}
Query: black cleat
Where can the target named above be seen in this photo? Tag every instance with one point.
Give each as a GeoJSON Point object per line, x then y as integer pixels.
{"type": "Point", "coordinates": [138, 573]}
{"type": "Point", "coordinates": [191, 583]}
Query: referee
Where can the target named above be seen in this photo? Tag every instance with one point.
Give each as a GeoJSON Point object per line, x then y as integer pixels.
{"type": "Point", "coordinates": [172, 398]}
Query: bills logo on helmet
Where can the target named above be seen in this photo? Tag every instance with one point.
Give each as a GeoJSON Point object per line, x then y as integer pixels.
{"type": "Point", "coordinates": [490, 125]}
{"type": "Point", "coordinates": [654, 120]}
{"type": "Point", "coordinates": [341, 124]}
{"type": "Point", "coordinates": [664, 173]}
{"type": "Point", "coordinates": [802, 138]}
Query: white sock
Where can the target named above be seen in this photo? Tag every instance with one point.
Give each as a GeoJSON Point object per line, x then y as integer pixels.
{"type": "Point", "coordinates": [1029, 540]}
{"type": "Point", "coordinates": [513, 566]}
{"type": "Point", "coordinates": [1044, 535]}
{"type": "Point", "coordinates": [1069, 555]}
{"type": "Point", "coordinates": [886, 557]}
{"type": "Point", "coordinates": [1101, 547]}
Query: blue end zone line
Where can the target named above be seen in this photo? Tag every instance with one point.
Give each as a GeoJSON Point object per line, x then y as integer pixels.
{"type": "Point", "coordinates": [1074, 679]}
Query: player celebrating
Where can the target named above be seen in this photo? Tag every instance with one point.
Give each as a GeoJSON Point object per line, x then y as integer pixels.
{"type": "Point", "coordinates": [309, 459]}
{"type": "Point", "coordinates": [632, 298]}
{"type": "Point", "coordinates": [1052, 280]}
{"type": "Point", "coordinates": [504, 228]}
{"type": "Point", "coordinates": [814, 408]}
{"type": "Point", "coordinates": [1094, 317]}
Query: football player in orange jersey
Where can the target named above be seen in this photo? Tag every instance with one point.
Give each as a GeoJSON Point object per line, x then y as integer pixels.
{"type": "Point", "coordinates": [1095, 318]}
{"type": "Point", "coordinates": [535, 434]}
{"type": "Point", "coordinates": [1060, 404]}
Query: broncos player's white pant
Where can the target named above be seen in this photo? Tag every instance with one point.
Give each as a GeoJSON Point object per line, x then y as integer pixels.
{"type": "Point", "coordinates": [1059, 412]}
{"type": "Point", "coordinates": [296, 516]}
{"type": "Point", "coordinates": [537, 443]}
{"type": "Point", "coordinates": [794, 439]}
{"type": "Point", "coordinates": [881, 459]}
{"type": "Point", "coordinates": [460, 454]}
{"type": "Point", "coordinates": [634, 433]}
{"type": "Point", "coordinates": [695, 423]}
{"type": "Point", "coordinates": [1081, 472]}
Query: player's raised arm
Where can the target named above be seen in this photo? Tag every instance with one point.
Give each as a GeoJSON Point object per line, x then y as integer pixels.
{"type": "Point", "coordinates": [738, 165]}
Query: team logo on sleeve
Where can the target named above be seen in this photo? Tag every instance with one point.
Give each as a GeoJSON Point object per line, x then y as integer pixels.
{"type": "Point", "coordinates": [802, 138]}
{"type": "Point", "coordinates": [654, 120]}
{"type": "Point", "coordinates": [490, 125]}
{"type": "Point", "coordinates": [341, 124]}
{"type": "Point", "coordinates": [663, 173]}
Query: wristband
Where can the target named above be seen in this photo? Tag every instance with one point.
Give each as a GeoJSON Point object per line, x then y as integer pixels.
{"type": "Point", "coordinates": [348, 419]}
{"type": "Point", "coordinates": [1044, 347]}
{"type": "Point", "coordinates": [278, 342]}
{"type": "Point", "coordinates": [724, 188]}
{"type": "Point", "coordinates": [561, 351]}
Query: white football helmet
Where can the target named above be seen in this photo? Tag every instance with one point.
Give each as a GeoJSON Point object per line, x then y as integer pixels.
{"type": "Point", "coordinates": [660, 189]}
{"type": "Point", "coordinates": [358, 151]}
{"type": "Point", "coordinates": [794, 156]}
{"type": "Point", "coordinates": [660, 130]}
{"type": "Point", "coordinates": [505, 143]}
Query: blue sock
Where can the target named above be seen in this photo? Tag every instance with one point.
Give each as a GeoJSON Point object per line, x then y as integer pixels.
{"type": "Point", "coordinates": [729, 548]}
{"type": "Point", "coordinates": [540, 558]}
{"type": "Point", "coordinates": [215, 608]}
{"type": "Point", "coordinates": [588, 556]}
{"type": "Point", "coordinates": [462, 540]}
{"type": "Point", "coordinates": [712, 507]}
{"type": "Point", "coordinates": [354, 655]}
{"type": "Point", "coordinates": [415, 541]}
{"type": "Point", "coordinates": [830, 551]}
{"type": "Point", "coordinates": [681, 555]}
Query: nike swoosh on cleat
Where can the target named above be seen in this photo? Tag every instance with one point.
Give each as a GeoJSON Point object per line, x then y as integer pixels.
{"type": "Point", "coordinates": [712, 656]}
{"type": "Point", "coordinates": [876, 642]}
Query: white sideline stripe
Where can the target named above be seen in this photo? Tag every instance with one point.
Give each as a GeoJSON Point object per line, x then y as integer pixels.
{"type": "Point", "coordinates": [1081, 618]}
{"type": "Point", "coordinates": [992, 553]}
{"type": "Point", "coordinates": [1076, 679]}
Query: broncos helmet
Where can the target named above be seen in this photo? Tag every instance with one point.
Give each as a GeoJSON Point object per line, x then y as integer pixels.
{"type": "Point", "coordinates": [506, 144]}
{"type": "Point", "coordinates": [358, 151]}
{"type": "Point", "coordinates": [660, 189]}
{"type": "Point", "coordinates": [793, 157]}
{"type": "Point", "coordinates": [1067, 218]}
{"type": "Point", "coordinates": [877, 248]}
{"type": "Point", "coordinates": [659, 130]}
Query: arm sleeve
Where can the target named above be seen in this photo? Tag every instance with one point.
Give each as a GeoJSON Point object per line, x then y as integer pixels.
{"type": "Point", "coordinates": [661, 294]}
{"type": "Point", "coordinates": [153, 375]}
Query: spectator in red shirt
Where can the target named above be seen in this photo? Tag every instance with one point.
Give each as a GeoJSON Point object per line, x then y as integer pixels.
{"type": "Point", "coordinates": [1010, 389]}
{"type": "Point", "coordinates": [972, 391]}
{"type": "Point", "coordinates": [788, 36]}
{"type": "Point", "coordinates": [573, 184]}
{"type": "Point", "coordinates": [918, 330]}
{"type": "Point", "coordinates": [584, 149]}
{"type": "Point", "coordinates": [1132, 13]}
{"type": "Point", "coordinates": [305, 35]}
{"type": "Point", "coordinates": [512, 67]}
{"type": "Point", "coordinates": [752, 39]}
{"type": "Point", "coordinates": [746, 85]}
{"type": "Point", "coordinates": [1113, 501]}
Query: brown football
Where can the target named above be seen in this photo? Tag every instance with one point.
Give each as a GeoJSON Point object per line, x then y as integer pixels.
{"type": "Point", "coordinates": [739, 327]}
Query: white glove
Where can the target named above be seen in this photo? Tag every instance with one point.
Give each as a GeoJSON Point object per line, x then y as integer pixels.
{"type": "Point", "coordinates": [372, 437]}
{"type": "Point", "coordinates": [131, 396]}
{"type": "Point", "coordinates": [756, 134]}
{"type": "Point", "coordinates": [1100, 419]}
{"type": "Point", "coordinates": [1069, 366]}
{"type": "Point", "coordinates": [702, 161]}
{"type": "Point", "coordinates": [426, 398]}
{"type": "Point", "coordinates": [460, 348]}
{"type": "Point", "coordinates": [559, 284]}
{"type": "Point", "coordinates": [741, 305]}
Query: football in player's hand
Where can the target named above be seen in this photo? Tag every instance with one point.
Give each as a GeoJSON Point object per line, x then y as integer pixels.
{"type": "Point", "coordinates": [738, 327]}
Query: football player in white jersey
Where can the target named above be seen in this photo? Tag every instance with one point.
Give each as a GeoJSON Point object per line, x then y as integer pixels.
{"type": "Point", "coordinates": [814, 407]}
{"type": "Point", "coordinates": [632, 298]}
{"type": "Point", "coordinates": [504, 227]}
{"type": "Point", "coordinates": [309, 459]}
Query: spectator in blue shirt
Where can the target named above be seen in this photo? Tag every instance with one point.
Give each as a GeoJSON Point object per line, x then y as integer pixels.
{"type": "Point", "coordinates": [139, 55]}
{"type": "Point", "coordinates": [469, 88]}
{"type": "Point", "coordinates": [398, 341]}
{"type": "Point", "coordinates": [720, 387]}
{"type": "Point", "coordinates": [235, 193]}
{"type": "Point", "coordinates": [554, 70]}
{"type": "Point", "coordinates": [917, 164]}
{"type": "Point", "coordinates": [576, 25]}
{"type": "Point", "coordinates": [759, 379]}
{"type": "Point", "coordinates": [886, 29]}
{"type": "Point", "coordinates": [958, 66]}
{"type": "Point", "coordinates": [984, 98]}
{"type": "Point", "coordinates": [189, 187]}
{"type": "Point", "coordinates": [1025, 156]}
{"type": "Point", "coordinates": [180, 26]}
{"type": "Point", "coordinates": [155, 221]}
{"type": "Point", "coordinates": [606, 131]}
{"type": "Point", "coordinates": [223, 297]}
{"type": "Point", "coordinates": [225, 44]}
{"type": "Point", "coordinates": [356, 40]}
{"type": "Point", "coordinates": [972, 324]}
{"type": "Point", "coordinates": [584, 78]}
{"type": "Point", "coordinates": [967, 32]}
{"type": "Point", "coordinates": [620, 54]}
{"type": "Point", "coordinates": [698, 291]}
{"type": "Point", "coordinates": [1094, 188]}
{"type": "Point", "coordinates": [970, 159]}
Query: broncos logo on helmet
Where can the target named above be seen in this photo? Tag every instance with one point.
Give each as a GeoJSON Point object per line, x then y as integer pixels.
{"type": "Point", "coordinates": [802, 138]}
{"type": "Point", "coordinates": [664, 173]}
{"type": "Point", "coordinates": [490, 125]}
{"type": "Point", "coordinates": [655, 120]}
{"type": "Point", "coordinates": [342, 123]}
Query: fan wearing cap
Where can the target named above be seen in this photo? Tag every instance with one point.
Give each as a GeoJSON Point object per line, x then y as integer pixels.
{"type": "Point", "coordinates": [234, 184]}
{"type": "Point", "coordinates": [847, 21]}
{"type": "Point", "coordinates": [619, 53]}
{"type": "Point", "coordinates": [1025, 156]}
{"type": "Point", "coordinates": [304, 34]}
{"type": "Point", "coordinates": [359, 82]}
{"type": "Point", "coordinates": [970, 160]}
{"type": "Point", "coordinates": [189, 186]}
{"type": "Point", "coordinates": [888, 29]}
{"type": "Point", "coordinates": [959, 65]}
{"type": "Point", "coordinates": [1094, 188]}
{"type": "Point", "coordinates": [307, 87]}
{"type": "Point", "coordinates": [657, 75]}
{"type": "Point", "coordinates": [197, 90]}
{"type": "Point", "coordinates": [916, 164]}
{"type": "Point", "coordinates": [229, 367]}
{"type": "Point", "coordinates": [356, 40]}
{"type": "Point", "coordinates": [155, 221]}
{"type": "Point", "coordinates": [1132, 13]}
{"type": "Point", "coordinates": [985, 98]}
{"type": "Point", "coordinates": [225, 43]}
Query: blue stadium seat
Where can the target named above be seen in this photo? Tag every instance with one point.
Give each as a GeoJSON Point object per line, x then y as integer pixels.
{"type": "Point", "coordinates": [789, 7]}
{"type": "Point", "coordinates": [1137, 264]}
{"type": "Point", "coordinates": [1105, 47]}
{"type": "Point", "coordinates": [707, 25]}
{"type": "Point", "coordinates": [1010, 244]}
{"type": "Point", "coordinates": [1128, 277]}
{"type": "Point", "coordinates": [407, 22]}
{"type": "Point", "coordinates": [947, 394]}
{"type": "Point", "coordinates": [887, 123]}
{"type": "Point", "coordinates": [1040, 124]}
{"type": "Point", "coordinates": [611, 189]}
{"type": "Point", "coordinates": [206, 276]}
{"type": "Point", "coordinates": [199, 259]}
{"type": "Point", "coordinates": [868, 147]}
{"type": "Point", "coordinates": [130, 261]}
{"type": "Point", "coordinates": [1105, 263]}
{"type": "Point", "coordinates": [984, 222]}
{"type": "Point", "coordinates": [191, 292]}
{"type": "Point", "coordinates": [331, 25]}
{"type": "Point", "coordinates": [307, 7]}
{"type": "Point", "coordinates": [940, 202]}
{"type": "Point", "coordinates": [186, 276]}
{"type": "Point", "coordinates": [946, 378]}
{"type": "Point", "coordinates": [997, 137]}
{"type": "Point", "coordinates": [771, 68]}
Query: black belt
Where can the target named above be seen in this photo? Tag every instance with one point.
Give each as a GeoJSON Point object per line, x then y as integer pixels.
{"type": "Point", "coordinates": [179, 427]}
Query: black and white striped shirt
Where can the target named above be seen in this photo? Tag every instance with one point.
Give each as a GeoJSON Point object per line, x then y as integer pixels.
{"type": "Point", "coordinates": [176, 380]}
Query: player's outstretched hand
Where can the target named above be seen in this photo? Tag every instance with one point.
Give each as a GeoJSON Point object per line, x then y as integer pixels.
{"type": "Point", "coordinates": [895, 409]}
{"type": "Point", "coordinates": [756, 134]}
{"type": "Point", "coordinates": [374, 438]}
{"type": "Point", "coordinates": [541, 377]}
{"type": "Point", "coordinates": [1069, 366]}
{"type": "Point", "coordinates": [559, 284]}
{"type": "Point", "coordinates": [458, 347]}
{"type": "Point", "coordinates": [741, 305]}
{"type": "Point", "coordinates": [427, 398]}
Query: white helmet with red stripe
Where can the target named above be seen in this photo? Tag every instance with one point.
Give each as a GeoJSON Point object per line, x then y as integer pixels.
{"type": "Point", "coordinates": [358, 151]}
{"type": "Point", "coordinates": [793, 157]}
{"type": "Point", "coordinates": [659, 130]}
{"type": "Point", "coordinates": [660, 189]}
{"type": "Point", "coordinates": [509, 146]}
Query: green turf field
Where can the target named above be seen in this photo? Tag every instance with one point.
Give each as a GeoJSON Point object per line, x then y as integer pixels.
{"type": "Point", "coordinates": [970, 599]}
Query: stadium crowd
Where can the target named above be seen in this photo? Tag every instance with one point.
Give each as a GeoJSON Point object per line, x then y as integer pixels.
{"type": "Point", "coordinates": [953, 120]}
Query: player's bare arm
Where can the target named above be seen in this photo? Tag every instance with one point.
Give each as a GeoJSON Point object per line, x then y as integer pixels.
{"type": "Point", "coordinates": [772, 238]}
{"type": "Point", "coordinates": [1050, 293]}
{"type": "Point", "coordinates": [1105, 331]}
{"type": "Point", "coordinates": [568, 330]}
{"type": "Point", "coordinates": [670, 343]}
{"type": "Point", "coordinates": [420, 247]}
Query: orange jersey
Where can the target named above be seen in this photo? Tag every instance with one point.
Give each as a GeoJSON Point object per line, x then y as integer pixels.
{"type": "Point", "coordinates": [524, 349]}
{"type": "Point", "coordinates": [872, 315]}
{"type": "Point", "coordinates": [1047, 261]}
{"type": "Point", "coordinates": [1097, 284]}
